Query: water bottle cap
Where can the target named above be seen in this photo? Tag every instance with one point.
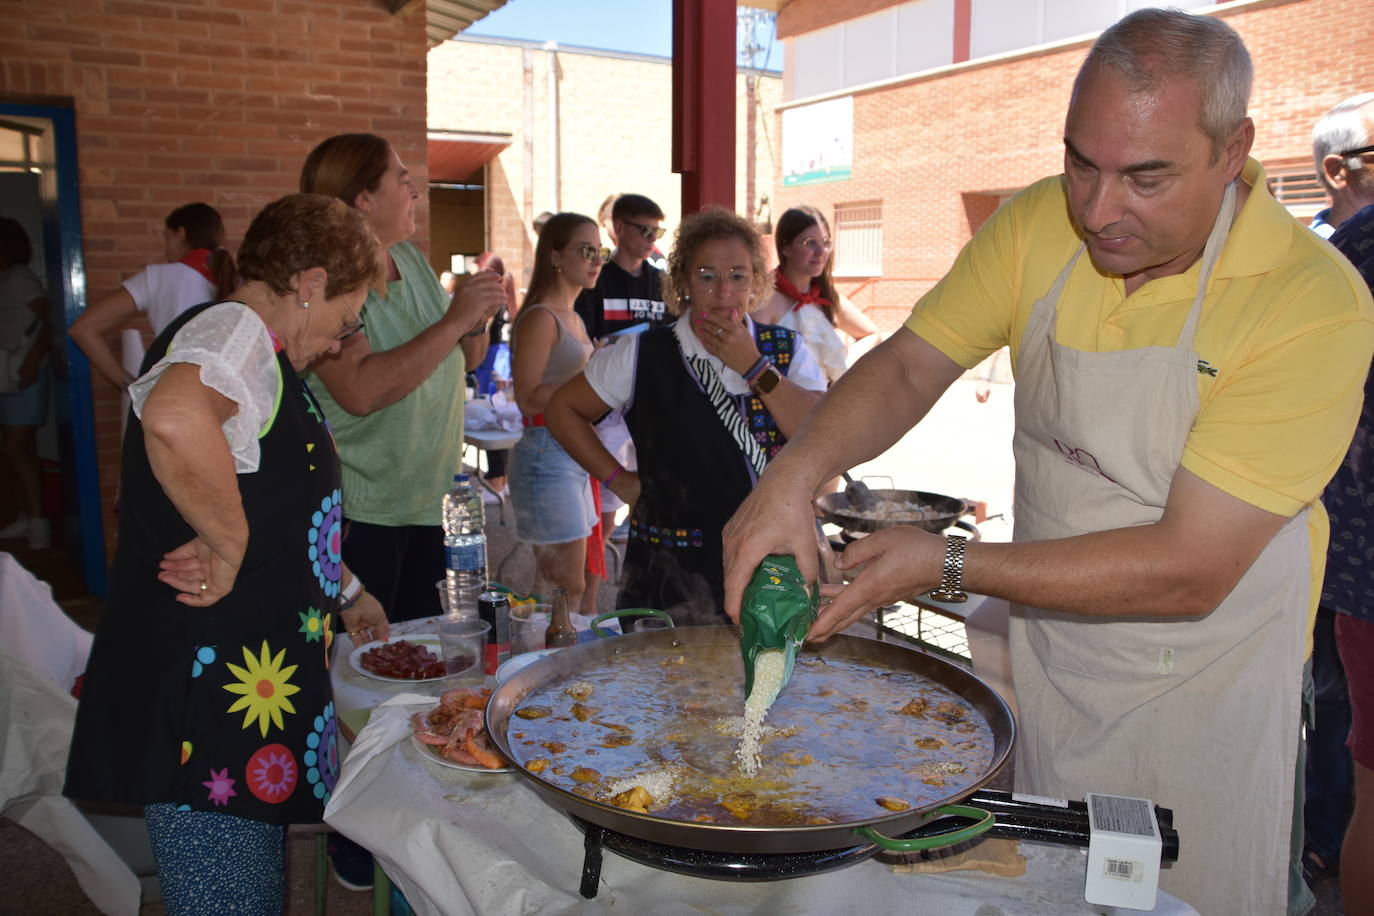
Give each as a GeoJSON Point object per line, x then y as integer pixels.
{"type": "Point", "coordinates": [460, 478]}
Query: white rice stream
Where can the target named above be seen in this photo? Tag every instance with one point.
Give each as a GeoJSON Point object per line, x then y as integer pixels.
{"type": "Point", "coordinates": [768, 669]}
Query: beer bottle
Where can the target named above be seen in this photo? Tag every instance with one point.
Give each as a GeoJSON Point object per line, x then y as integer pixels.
{"type": "Point", "coordinates": [560, 632]}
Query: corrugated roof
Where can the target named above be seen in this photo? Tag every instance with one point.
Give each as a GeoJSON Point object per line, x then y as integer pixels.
{"type": "Point", "coordinates": [446, 18]}
{"type": "Point", "coordinates": [456, 156]}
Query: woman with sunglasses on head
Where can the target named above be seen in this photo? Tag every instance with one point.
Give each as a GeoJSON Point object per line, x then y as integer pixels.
{"type": "Point", "coordinates": [207, 699]}
{"type": "Point", "coordinates": [804, 297]}
{"type": "Point", "coordinates": [198, 269]}
{"type": "Point", "coordinates": [554, 508]}
{"type": "Point", "coordinates": [709, 400]}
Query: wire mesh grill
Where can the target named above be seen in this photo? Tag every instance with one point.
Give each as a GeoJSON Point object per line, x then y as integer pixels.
{"type": "Point", "coordinates": [926, 628]}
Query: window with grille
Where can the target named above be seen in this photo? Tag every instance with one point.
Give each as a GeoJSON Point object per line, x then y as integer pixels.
{"type": "Point", "coordinates": [1295, 185]}
{"type": "Point", "coordinates": [859, 239]}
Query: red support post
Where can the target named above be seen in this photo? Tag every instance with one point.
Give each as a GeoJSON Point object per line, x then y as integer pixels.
{"type": "Point", "coordinates": [704, 102]}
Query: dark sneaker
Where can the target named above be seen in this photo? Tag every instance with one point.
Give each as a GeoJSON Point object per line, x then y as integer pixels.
{"type": "Point", "coordinates": [352, 863]}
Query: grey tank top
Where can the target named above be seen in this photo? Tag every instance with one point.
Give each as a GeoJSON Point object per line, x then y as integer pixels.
{"type": "Point", "coordinates": [569, 354]}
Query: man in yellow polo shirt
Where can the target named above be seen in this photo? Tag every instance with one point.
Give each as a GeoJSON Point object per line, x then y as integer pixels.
{"type": "Point", "coordinates": [1189, 367]}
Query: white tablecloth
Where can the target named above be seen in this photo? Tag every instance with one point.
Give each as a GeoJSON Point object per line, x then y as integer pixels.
{"type": "Point", "coordinates": [458, 842]}
{"type": "Point", "coordinates": [41, 653]}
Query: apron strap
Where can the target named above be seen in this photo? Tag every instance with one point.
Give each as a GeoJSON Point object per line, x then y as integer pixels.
{"type": "Point", "coordinates": [1051, 297]}
{"type": "Point", "coordinates": [1211, 253]}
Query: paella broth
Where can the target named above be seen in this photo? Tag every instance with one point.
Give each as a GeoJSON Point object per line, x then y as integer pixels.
{"type": "Point", "coordinates": [842, 735]}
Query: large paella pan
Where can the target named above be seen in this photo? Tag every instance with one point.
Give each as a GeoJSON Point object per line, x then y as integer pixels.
{"type": "Point", "coordinates": [868, 739]}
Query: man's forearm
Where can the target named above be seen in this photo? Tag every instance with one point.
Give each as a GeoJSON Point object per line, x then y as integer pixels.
{"type": "Point", "coordinates": [1126, 572]}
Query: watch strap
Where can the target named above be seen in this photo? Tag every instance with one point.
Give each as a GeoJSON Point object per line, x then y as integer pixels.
{"type": "Point", "coordinates": [951, 587]}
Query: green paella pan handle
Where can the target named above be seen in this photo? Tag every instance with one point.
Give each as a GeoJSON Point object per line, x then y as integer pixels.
{"type": "Point", "coordinates": [626, 612]}
{"type": "Point", "coordinates": [983, 822]}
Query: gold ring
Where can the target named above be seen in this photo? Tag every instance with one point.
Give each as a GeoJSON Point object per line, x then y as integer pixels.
{"type": "Point", "coordinates": [203, 586]}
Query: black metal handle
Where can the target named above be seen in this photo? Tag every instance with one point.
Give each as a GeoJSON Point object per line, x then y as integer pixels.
{"type": "Point", "coordinates": [1022, 820]}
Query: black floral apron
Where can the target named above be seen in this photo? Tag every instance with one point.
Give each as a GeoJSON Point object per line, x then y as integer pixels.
{"type": "Point", "coordinates": [226, 708]}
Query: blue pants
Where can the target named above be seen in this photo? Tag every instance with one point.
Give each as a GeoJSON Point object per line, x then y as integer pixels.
{"type": "Point", "coordinates": [216, 863]}
{"type": "Point", "coordinates": [1329, 773]}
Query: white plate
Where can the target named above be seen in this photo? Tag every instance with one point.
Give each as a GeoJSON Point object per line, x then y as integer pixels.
{"type": "Point", "coordinates": [511, 665]}
{"type": "Point", "coordinates": [428, 753]}
{"type": "Point", "coordinates": [429, 640]}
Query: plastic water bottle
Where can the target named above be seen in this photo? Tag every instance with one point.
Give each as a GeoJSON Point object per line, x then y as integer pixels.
{"type": "Point", "coordinates": [465, 547]}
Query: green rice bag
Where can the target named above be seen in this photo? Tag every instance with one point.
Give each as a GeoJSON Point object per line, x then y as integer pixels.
{"type": "Point", "coordinates": [776, 612]}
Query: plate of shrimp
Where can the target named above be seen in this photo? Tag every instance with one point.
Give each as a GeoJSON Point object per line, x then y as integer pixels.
{"type": "Point", "coordinates": [454, 733]}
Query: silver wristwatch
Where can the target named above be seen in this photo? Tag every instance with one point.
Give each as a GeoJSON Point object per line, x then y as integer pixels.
{"type": "Point", "coordinates": [951, 587]}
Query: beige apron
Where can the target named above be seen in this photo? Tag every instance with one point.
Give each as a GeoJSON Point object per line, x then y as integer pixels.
{"type": "Point", "coordinates": [1199, 715]}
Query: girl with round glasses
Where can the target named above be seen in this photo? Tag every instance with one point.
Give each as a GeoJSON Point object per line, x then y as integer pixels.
{"type": "Point", "coordinates": [804, 297]}
{"type": "Point", "coordinates": [551, 493]}
{"type": "Point", "coordinates": [708, 400]}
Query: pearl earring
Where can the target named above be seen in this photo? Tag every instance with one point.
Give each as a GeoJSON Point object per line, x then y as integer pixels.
{"type": "Point", "coordinates": [304, 304]}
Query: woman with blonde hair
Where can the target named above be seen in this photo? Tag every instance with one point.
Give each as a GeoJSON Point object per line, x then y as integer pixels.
{"type": "Point", "coordinates": [394, 392]}
{"type": "Point", "coordinates": [709, 401]}
{"type": "Point", "coordinates": [804, 296]}
{"type": "Point", "coordinates": [554, 507]}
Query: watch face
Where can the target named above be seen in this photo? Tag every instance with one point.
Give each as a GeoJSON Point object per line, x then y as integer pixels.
{"type": "Point", "coordinates": [769, 380]}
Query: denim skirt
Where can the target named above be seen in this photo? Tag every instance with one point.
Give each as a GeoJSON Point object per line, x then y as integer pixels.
{"type": "Point", "coordinates": [551, 493]}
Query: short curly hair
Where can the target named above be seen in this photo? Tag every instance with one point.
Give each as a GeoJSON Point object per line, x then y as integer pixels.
{"type": "Point", "coordinates": [709, 225]}
{"type": "Point", "coordinates": [301, 231]}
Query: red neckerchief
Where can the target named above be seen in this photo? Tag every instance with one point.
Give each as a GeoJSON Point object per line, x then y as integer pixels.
{"type": "Point", "coordinates": [198, 259]}
{"type": "Point", "coordinates": [811, 297]}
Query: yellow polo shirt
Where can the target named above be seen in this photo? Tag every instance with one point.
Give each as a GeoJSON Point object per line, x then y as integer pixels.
{"type": "Point", "coordinates": [1287, 324]}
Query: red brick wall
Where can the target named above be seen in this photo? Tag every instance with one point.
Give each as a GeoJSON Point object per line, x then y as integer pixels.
{"type": "Point", "coordinates": [929, 148]}
{"type": "Point", "coordinates": [213, 100]}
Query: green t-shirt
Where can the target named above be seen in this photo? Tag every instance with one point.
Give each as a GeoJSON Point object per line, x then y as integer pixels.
{"type": "Point", "coordinates": [399, 461]}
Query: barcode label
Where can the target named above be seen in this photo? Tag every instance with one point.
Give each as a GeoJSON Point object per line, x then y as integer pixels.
{"type": "Point", "coordinates": [1122, 870]}
{"type": "Point", "coordinates": [1122, 815]}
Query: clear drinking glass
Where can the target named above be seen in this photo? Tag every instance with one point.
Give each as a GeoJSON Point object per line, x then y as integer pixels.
{"type": "Point", "coordinates": [464, 642]}
{"type": "Point", "coordinates": [527, 625]}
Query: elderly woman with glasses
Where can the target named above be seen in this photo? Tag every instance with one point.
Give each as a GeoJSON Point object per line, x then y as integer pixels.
{"type": "Point", "coordinates": [804, 297]}
{"type": "Point", "coordinates": [207, 699]}
{"type": "Point", "coordinates": [709, 401]}
{"type": "Point", "coordinates": [554, 507]}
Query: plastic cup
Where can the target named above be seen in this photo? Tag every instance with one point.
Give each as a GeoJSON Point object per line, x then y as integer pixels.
{"type": "Point", "coordinates": [463, 642]}
{"type": "Point", "coordinates": [527, 625]}
{"type": "Point", "coordinates": [646, 624]}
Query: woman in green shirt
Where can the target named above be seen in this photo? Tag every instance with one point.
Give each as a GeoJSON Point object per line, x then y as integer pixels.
{"type": "Point", "coordinates": [394, 393]}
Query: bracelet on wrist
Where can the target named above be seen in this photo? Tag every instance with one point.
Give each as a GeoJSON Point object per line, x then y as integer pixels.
{"type": "Point", "coordinates": [758, 369]}
{"type": "Point", "coordinates": [613, 475]}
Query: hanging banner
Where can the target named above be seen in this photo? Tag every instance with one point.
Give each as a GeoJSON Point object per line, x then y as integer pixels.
{"type": "Point", "coordinates": [818, 142]}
